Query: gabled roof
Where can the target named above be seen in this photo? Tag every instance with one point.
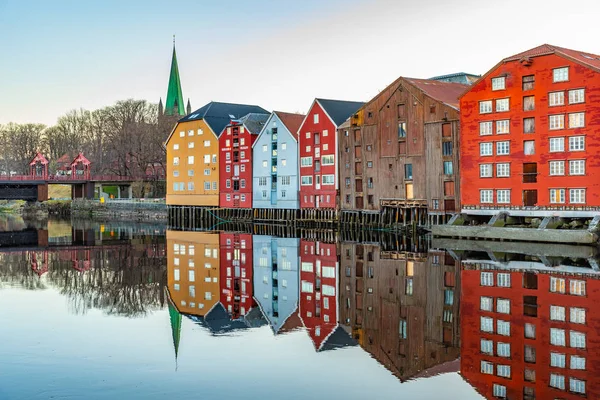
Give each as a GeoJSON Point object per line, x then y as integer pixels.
{"type": "Point", "coordinates": [338, 339]}
{"type": "Point", "coordinates": [588, 59]}
{"type": "Point", "coordinates": [339, 110]}
{"type": "Point", "coordinates": [446, 92]}
{"type": "Point", "coordinates": [254, 122]}
{"type": "Point", "coordinates": [218, 115]}
{"type": "Point", "coordinates": [291, 121]}
{"type": "Point", "coordinates": [458, 77]}
{"type": "Point", "coordinates": [65, 158]}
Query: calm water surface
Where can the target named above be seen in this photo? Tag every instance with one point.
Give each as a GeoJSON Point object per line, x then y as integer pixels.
{"type": "Point", "coordinates": [125, 311]}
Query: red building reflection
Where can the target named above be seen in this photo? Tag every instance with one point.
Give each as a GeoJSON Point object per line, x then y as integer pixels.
{"type": "Point", "coordinates": [236, 273]}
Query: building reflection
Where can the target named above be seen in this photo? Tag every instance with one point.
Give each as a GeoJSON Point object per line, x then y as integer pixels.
{"type": "Point", "coordinates": [529, 330]}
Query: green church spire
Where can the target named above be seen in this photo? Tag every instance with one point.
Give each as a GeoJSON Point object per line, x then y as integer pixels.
{"type": "Point", "coordinates": [174, 104]}
{"type": "Point", "coordinates": [175, 318]}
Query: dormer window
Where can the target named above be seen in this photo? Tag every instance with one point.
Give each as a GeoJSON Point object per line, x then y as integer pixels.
{"type": "Point", "coordinates": [499, 83]}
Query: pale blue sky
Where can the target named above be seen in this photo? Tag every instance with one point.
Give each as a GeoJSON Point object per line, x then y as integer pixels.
{"type": "Point", "coordinates": [59, 55]}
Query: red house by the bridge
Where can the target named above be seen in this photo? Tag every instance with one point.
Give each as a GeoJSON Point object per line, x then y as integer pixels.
{"type": "Point", "coordinates": [530, 129]}
{"type": "Point", "coordinates": [236, 273]}
{"type": "Point", "coordinates": [318, 143]}
{"type": "Point", "coordinates": [235, 166]}
{"type": "Point", "coordinates": [318, 290]}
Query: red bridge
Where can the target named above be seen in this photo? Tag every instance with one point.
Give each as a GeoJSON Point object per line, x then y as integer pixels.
{"type": "Point", "coordinates": [35, 185]}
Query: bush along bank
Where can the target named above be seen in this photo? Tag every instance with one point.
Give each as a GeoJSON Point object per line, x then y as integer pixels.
{"type": "Point", "coordinates": [122, 210]}
{"type": "Point", "coordinates": [60, 208]}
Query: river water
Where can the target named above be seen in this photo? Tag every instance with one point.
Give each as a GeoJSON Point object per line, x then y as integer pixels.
{"type": "Point", "coordinates": [137, 311]}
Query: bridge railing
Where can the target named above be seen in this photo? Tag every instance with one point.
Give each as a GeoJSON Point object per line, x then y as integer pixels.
{"type": "Point", "coordinates": [69, 178]}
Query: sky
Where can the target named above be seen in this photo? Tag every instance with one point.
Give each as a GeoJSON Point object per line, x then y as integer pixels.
{"type": "Point", "coordinates": [60, 55]}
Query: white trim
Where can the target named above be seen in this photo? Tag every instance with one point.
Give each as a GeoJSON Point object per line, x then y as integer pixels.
{"type": "Point", "coordinates": [536, 213]}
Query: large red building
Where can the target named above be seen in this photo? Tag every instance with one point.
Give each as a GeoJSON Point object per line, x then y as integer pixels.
{"type": "Point", "coordinates": [529, 331]}
{"type": "Point", "coordinates": [529, 130]}
{"type": "Point", "coordinates": [318, 306]}
{"type": "Point", "coordinates": [236, 273]}
{"type": "Point", "coordinates": [235, 166]}
{"type": "Point", "coordinates": [318, 142]}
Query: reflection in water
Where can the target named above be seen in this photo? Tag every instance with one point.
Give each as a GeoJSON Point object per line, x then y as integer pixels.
{"type": "Point", "coordinates": [529, 330]}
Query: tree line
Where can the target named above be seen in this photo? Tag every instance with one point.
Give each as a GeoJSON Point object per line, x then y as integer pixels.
{"type": "Point", "coordinates": [124, 139]}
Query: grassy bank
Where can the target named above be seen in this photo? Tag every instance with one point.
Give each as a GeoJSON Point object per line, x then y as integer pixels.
{"type": "Point", "coordinates": [11, 206]}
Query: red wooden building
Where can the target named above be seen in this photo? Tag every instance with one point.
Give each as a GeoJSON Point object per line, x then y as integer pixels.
{"type": "Point", "coordinates": [236, 273]}
{"type": "Point", "coordinates": [235, 166]}
{"type": "Point", "coordinates": [529, 131]}
{"type": "Point", "coordinates": [529, 331]}
{"type": "Point", "coordinates": [318, 141]}
{"type": "Point", "coordinates": [318, 290]}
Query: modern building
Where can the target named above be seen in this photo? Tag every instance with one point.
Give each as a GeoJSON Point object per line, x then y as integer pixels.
{"type": "Point", "coordinates": [529, 329]}
{"type": "Point", "coordinates": [193, 268]}
{"type": "Point", "coordinates": [401, 306]}
{"type": "Point", "coordinates": [236, 273]}
{"type": "Point", "coordinates": [275, 163]}
{"type": "Point", "coordinates": [193, 153]}
{"type": "Point", "coordinates": [235, 167]}
{"type": "Point", "coordinates": [398, 154]}
{"type": "Point", "coordinates": [276, 278]}
{"type": "Point", "coordinates": [529, 132]}
{"type": "Point", "coordinates": [318, 150]}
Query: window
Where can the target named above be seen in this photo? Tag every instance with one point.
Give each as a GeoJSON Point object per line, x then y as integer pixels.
{"type": "Point", "coordinates": [243, 197]}
{"type": "Point", "coordinates": [176, 146]}
{"type": "Point", "coordinates": [577, 287]}
{"type": "Point", "coordinates": [557, 381]}
{"type": "Point", "coordinates": [190, 160]}
{"type": "Point", "coordinates": [557, 313]}
{"type": "Point", "coordinates": [485, 107]}
{"type": "Point", "coordinates": [487, 279]}
{"type": "Point", "coordinates": [577, 315]}
{"type": "Point", "coordinates": [557, 122]}
{"type": "Point", "coordinates": [176, 173]}
{"type": "Point", "coordinates": [401, 129]}
{"type": "Point", "coordinates": [503, 306]}
{"type": "Point", "coordinates": [408, 287]}
{"type": "Point", "coordinates": [502, 170]}
{"type": "Point", "coordinates": [502, 126]}
{"type": "Point", "coordinates": [499, 391]}
{"type": "Point", "coordinates": [487, 324]}
{"type": "Point", "coordinates": [576, 143]}
{"type": "Point", "coordinates": [243, 167]}
{"type": "Point", "coordinates": [503, 196]}
{"type": "Point", "coordinates": [264, 164]}
{"type": "Point", "coordinates": [528, 103]}
{"type": "Point", "coordinates": [503, 371]}
{"type": "Point", "coordinates": [284, 145]}
{"type": "Point", "coordinates": [228, 183]}
{"type": "Point", "coordinates": [577, 196]}
{"type": "Point", "coordinates": [448, 168]}
{"type": "Point", "coordinates": [529, 147]}
{"type": "Point", "coordinates": [306, 161]}
{"type": "Point", "coordinates": [447, 148]}
{"type": "Point", "coordinates": [206, 172]}
{"type": "Point", "coordinates": [328, 179]}
{"type": "Point", "coordinates": [408, 171]}
{"type": "Point", "coordinates": [557, 144]}
{"type": "Point", "coordinates": [577, 120]}
{"type": "Point", "coordinates": [327, 159]}
{"type": "Point", "coordinates": [577, 339]}
{"type": "Point", "coordinates": [560, 74]}
{"type": "Point", "coordinates": [487, 367]}
{"type": "Point", "coordinates": [207, 143]}
{"type": "Point", "coordinates": [528, 82]}
{"type": "Point", "coordinates": [577, 362]}
{"type": "Point", "coordinates": [503, 328]}
{"type": "Point", "coordinates": [557, 196]}
{"type": "Point", "coordinates": [182, 134]}
{"type": "Point", "coordinates": [557, 337]}
{"type": "Point", "coordinates": [557, 285]}
{"type": "Point", "coordinates": [308, 149]}
{"type": "Point", "coordinates": [207, 158]}
{"type": "Point", "coordinates": [529, 331]}
{"type": "Point", "coordinates": [486, 303]}
{"type": "Point", "coordinates": [316, 118]}
{"type": "Point", "coordinates": [485, 128]}
{"type": "Point", "coordinates": [576, 385]}
{"type": "Point", "coordinates": [557, 167]}
{"type": "Point", "coordinates": [503, 280]}
{"type": "Point", "coordinates": [529, 354]}
{"type": "Point", "coordinates": [576, 167]}
{"type": "Point", "coordinates": [501, 105]}
{"type": "Point", "coordinates": [556, 98]}
{"type": "Point", "coordinates": [487, 346]}
{"type": "Point", "coordinates": [502, 148]}
{"type": "Point", "coordinates": [175, 160]}
{"type": "Point", "coordinates": [486, 149]}
{"type": "Point", "coordinates": [486, 196]}
{"type": "Point", "coordinates": [190, 145]}
{"type": "Point", "coordinates": [499, 83]}
{"type": "Point", "coordinates": [227, 156]}
{"type": "Point", "coordinates": [243, 183]}
{"type": "Point", "coordinates": [206, 185]}
{"type": "Point", "coordinates": [576, 96]}
{"type": "Point", "coordinates": [286, 180]}
{"type": "Point", "coordinates": [191, 186]}
{"type": "Point", "coordinates": [528, 125]}
{"type": "Point", "coordinates": [485, 170]}
{"type": "Point", "coordinates": [557, 360]}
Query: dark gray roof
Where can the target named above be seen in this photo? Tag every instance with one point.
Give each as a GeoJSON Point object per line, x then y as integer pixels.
{"type": "Point", "coordinates": [219, 322]}
{"type": "Point", "coordinates": [458, 77]}
{"type": "Point", "coordinates": [218, 115]}
{"type": "Point", "coordinates": [338, 339]}
{"type": "Point", "coordinates": [340, 110]}
{"type": "Point", "coordinates": [254, 122]}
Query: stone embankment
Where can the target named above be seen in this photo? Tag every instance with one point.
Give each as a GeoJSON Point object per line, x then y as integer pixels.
{"type": "Point", "coordinates": [122, 210]}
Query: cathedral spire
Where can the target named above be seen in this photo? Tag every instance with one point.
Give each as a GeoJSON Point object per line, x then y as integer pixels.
{"type": "Point", "coordinates": [174, 104]}
{"type": "Point", "coordinates": [189, 107]}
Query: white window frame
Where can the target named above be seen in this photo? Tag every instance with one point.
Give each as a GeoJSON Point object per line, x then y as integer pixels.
{"type": "Point", "coordinates": [503, 306]}
{"type": "Point", "coordinates": [487, 346]}
{"type": "Point", "coordinates": [502, 127]}
{"type": "Point", "coordinates": [557, 168]}
{"type": "Point", "coordinates": [486, 279]}
{"type": "Point", "coordinates": [503, 148]}
{"type": "Point", "coordinates": [556, 122]}
{"type": "Point", "coordinates": [557, 313]}
{"type": "Point", "coordinates": [577, 287]}
{"type": "Point", "coordinates": [556, 144]}
{"type": "Point", "coordinates": [557, 192]}
{"type": "Point", "coordinates": [486, 171]}
{"type": "Point", "coordinates": [486, 303]}
{"type": "Point", "coordinates": [503, 349]}
{"type": "Point", "coordinates": [498, 83]}
{"type": "Point", "coordinates": [557, 360]}
{"type": "Point", "coordinates": [485, 107]}
{"type": "Point", "coordinates": [577, 340]}
{"type": "Point", "coordinates": [502, 170]}
{"type": "Point", "coordinates": [486, 196]}
{"type": "Point", "coordinates": [503, 196]}
{"type": "Point", "coordinates": [560, 74]}
{"type": "Point", "coordinates": [576, 96]}
{"type": "Point", "coordinates": [577, 362]}
{"type": "Point", "coordinates": [577, 196]}
{"type": "Point", "coordinates": [576, 167]}
{"type": "Point", "coordinates": [502, 105]}
{"type": "Point", "coordinates": [556, 98]}
{"type": "Point", "coordinates": [557, 381]}
{"type": "Point", "coordinates": [486, 149]}
{"type": "Point", "coordinates": [486, 128]}
{"type": "Point", "coordinates": [486, 324]}
{"type": "Point", "coordinates": [306, 180]}
{"type": "Point", "coordinates": [576, 120]}
{"type": "Point", "coordinates": [576, 143]}
{"type": "Point", "coordinates": [503, 327]}
{"type": "Point", "coordinates": [558, 337]}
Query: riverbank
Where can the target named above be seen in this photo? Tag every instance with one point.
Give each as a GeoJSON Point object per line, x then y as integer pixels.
{"type": "Point", "coordinates": [121, 210]}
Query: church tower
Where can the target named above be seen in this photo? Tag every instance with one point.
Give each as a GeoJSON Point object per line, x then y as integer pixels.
{"type": "Point", "coordinates": [174, 106]}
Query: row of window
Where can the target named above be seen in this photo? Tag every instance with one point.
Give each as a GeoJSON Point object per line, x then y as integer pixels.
{"type": "Point", "coordinates": [242, 197]}
{"type": "Point", "coordinates": [326, 159]}
{"type": "Point", "coordinates": [558, 75]}
{"type": "Point", "coordinates": [556, 381]}
{"type": "Point", "coordinates": [557, 196]}
{"type": "Point", "coordinates": [325, 180]}
{"type": "Point", "coordinates": [191, 133]}
{"type": "Point", "coordinates": [285, 180]}
{"type": "Point", "coordinates": [265, 194]}
{"type": "Point", "coordinates": [180, 186]}
{"type": "Point", "coordinates": [180, 249]}
{"type": "Point", "coordinates": [557, 313]}
{"type": "Point", "coordinates": [556, 144]}
{"type": "Point", "coordinates": [556, 168]}
{"type": "Point", "coordinates": [557, 121]}
{"type": "Point", "coordinates": [576, 143]}
{"type": "Point", "coordinates": [265, 148]}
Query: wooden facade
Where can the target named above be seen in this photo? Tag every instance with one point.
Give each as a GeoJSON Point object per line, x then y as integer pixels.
{"type": "Point", "coordinates": [398, 153]}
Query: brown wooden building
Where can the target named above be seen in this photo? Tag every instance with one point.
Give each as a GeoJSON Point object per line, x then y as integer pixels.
{"type": "Point", "coordinates": [399, 153]}
{"type": "Point", "coordinates": [402, 307]}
